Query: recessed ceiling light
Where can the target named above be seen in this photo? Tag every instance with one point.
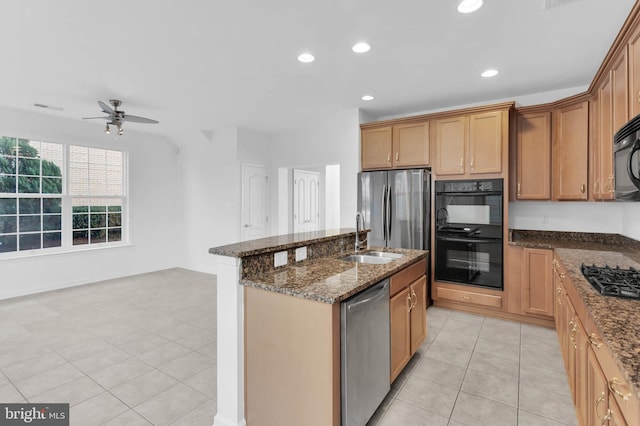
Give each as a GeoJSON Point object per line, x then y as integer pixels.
{"type": "Point", "coordinates": [306, 58]}
{"type": "Point", "coordinates": [468, 6]}
{"type": "Point", "coordinates": [490, 73]}
{"type": "Point", "coordinates": [361, 47]}
{"type": "Point", "coordinates": [367, 98]}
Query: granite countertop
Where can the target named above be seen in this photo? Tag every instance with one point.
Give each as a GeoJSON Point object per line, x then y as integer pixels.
{"type": "Point", "coordinates": [618, 320]}
{"type": "Point", "coordinates": [330, 279]}
{"type": "Point", "coordinates": [280, 242]}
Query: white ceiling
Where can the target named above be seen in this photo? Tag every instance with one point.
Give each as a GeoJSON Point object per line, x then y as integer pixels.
{"type": "Point", "coordinates": [205, 64]}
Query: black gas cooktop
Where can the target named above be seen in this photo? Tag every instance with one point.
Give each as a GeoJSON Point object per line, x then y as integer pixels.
{"type": "Point", "coordinates": [613, 281]}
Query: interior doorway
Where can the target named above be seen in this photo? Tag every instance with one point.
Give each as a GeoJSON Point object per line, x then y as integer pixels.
{"type": "Point", "coordinates": [306, 200]}
{"type": "Point", "coordinates": [255, 202]}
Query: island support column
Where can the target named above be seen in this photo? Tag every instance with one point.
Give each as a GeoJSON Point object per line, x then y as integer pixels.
{"type": "Point", "coordinates": [230, 349]}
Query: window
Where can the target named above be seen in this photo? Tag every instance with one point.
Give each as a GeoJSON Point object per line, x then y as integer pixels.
{"type": "Point", "coordinates": [59, 196]}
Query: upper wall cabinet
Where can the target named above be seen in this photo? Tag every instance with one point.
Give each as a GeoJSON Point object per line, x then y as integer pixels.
{"type": "Point", "coordinates": [398, 146]}
{"type": "Point", "coordinates": [633, 46]}
{"type": "Point", "coordinates": [570, 151]}
{"type": "Point", "coordinates": [533, 156]}
{"type": "Point", "coordinates": [470, 144]}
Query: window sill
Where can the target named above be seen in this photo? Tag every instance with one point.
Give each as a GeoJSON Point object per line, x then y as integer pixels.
{"type": "Point", "coordinates": [29, 254]}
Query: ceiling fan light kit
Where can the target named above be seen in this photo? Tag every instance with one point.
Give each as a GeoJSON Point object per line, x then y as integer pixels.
{"type": "Point", "coordinates": [116, 117]}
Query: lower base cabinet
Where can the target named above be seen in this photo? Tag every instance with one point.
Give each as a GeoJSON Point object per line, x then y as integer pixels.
{"type": "Point", "coordinates": [408, 315]}
{"type": "Point", "coordinates": [600, 394]}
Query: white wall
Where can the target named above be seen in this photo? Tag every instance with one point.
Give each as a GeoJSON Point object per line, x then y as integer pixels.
{"type": "Point", "coordinates": [211, 183]}
{"type": "Point", "coordinates": [153, 185]}
{"type": "Point", "coordinates": [331, 140]}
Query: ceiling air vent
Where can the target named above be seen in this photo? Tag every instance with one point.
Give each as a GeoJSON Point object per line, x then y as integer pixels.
{"type": "Point", "coordinates": [549, 4]}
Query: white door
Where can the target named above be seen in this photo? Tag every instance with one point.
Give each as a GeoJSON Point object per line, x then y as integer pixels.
{"type": "Point", "coordinates": [255, 190]}
{"type": "Point", "coordinates": [306, 209]}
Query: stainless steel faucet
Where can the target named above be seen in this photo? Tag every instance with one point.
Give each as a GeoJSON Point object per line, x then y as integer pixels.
{"type": "Point", "coordinates": [359, 221]}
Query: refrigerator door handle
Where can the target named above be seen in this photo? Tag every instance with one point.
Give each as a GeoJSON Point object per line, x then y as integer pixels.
{"type": "Point", "coordinates": [384, 212]}
{"type": "Point", "coordinates": [389, 214]}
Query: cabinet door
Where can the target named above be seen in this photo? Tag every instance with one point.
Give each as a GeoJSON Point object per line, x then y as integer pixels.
{"type": "Point", "coordinates": [411, 145]}
{"type": "Point", "coordinates": [603, 140]}
{"type": "Point", "coordinates": [418, 313]}
{"type": "Point", "coordinates": [570, 151]}
{"type": "Point", "coordinates": [582, 402]}
{"type": "Point", "coordinates": [533, 156]}
{"type": "Point", "coordinates": [400, 306]}
{"type": "Point", "coordinates": [537, 289]}
{"type": "Point", "coordinates": [597, 392]}
{"type": "Point", "coordinates": [376, 148]}
{"type": "Point", "coordinates": [451, 137]}
{"type": "Point", "coordinates": [485, 142]}
{"type": "Point", "coordinates": [634, 73]}
{"type": "Point", "coordinates": [614, 414]}
{"type": "Point", "coordinates": [570, 345]}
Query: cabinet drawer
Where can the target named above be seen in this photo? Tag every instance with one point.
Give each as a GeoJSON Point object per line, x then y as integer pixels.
{"type": "Point", "coordinates": [469, 297]}
{"type": "Point", "coordinates": [402, 279]}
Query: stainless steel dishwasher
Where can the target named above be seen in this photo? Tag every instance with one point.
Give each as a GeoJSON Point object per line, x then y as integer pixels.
{"type": "Point", "coordinates": [365, 353]}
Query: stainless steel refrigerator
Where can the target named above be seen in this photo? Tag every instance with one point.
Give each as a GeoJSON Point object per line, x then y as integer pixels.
{"type": "Point", "coordinates": [396, 207]}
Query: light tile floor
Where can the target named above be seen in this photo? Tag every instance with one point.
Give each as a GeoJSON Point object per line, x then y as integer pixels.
{"type": "Point", "coordinates": [477, 371]}
{"type": "Point", "coordinates": [141, 350]}
{"type": "Point", "coordinates": [134, 351]}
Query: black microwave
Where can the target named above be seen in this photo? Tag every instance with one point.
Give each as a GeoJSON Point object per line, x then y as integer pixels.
{"type": "Point", "coordinates": [626, 144]}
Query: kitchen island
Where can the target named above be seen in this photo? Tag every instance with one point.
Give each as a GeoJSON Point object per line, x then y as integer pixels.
{"type": "Point", "coordinates": [289, 319]}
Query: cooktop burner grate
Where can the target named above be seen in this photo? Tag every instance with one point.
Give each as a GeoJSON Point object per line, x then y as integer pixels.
{"type": "Point", "coordinates": [613, 281]}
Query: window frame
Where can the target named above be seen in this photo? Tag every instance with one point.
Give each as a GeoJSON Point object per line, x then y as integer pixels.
{"type": "Point", "coordinates": [67, 245]}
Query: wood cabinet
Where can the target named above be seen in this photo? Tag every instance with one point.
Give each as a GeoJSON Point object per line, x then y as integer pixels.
{"type": "Point", "coordinates": [600, 392]}
{"type": "Point", "coordinates": [400, 317]}
{"type": "Point", "coordinates": [570, 151]}
{"type": "Point", "coordinates": [633, 50]}
{"type": "Point", "coordinates": [533, 156]}
{"type": "Point", "coordinates": [411, 145]}
{"type": "Point", "coordinates": [611, 112]}
{"type": "Point", "coordinates": [469, 144]}
{"type": "Point", "coordinates": [397, 146]}
{"type": "Point", "coordinates": [537, 282]}
{"type": "Point", "coordinates": [376, 148]}
{"type": "Point", "coordinates": [450, 141]}
{"type": "Point", "coordinates": [408, 315]}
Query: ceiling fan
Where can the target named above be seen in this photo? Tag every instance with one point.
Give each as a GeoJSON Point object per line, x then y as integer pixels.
{"type": "Point", "coordinates": [117, 117]}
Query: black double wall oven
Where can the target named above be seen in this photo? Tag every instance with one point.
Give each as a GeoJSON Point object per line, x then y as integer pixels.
{"type": "Point", "coordinates": [469, 233]}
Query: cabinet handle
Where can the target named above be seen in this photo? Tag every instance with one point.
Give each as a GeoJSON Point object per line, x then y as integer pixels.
{"type": "Point", "coordinates": [638, 96]}
{"type": "Point", "coordinates": [471, 163]}
{"type": "Point", "coordinates": [606, 418]}
{"type": "Point", "coordinates": [388, 157]}
{"type": "Point", "coordinates": [413, 304]}
{"type": "Point", "coordinates": [598, 401]}
{"type": "Point", "coordinates": [593, 339]}
{"type": "Point", "coordinates": [410, 306]}
{"type": "Point", "coordinates": [397, 156]}
{"type": "Point", "coordinates": [467, 297]}
{"type": "Point", "coordinates": [595, 186]}
{"type": "Point", "coordinates": [610, 184]}
{"type": "Point", "coordinates": [461, 164]}
{"type": "Point", "coordinates": [518, 189]}
{"type": "Point", "coordinates": [582, 188]}
{"type": "Point", "coordinates": [612, 387]}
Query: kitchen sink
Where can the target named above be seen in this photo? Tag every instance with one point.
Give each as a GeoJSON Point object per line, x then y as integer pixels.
{"type": "Point", "coordinates": [383, 254]}
{"type": "Point", "coordinates": [365, 258]}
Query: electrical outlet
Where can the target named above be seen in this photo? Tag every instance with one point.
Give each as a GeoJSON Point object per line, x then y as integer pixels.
{"type": "Point", "coordinates": [301, 253]}
{"type": "Point", "coordinates": [280, 258]}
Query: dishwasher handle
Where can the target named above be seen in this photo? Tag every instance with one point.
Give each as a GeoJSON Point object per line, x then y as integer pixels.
{"type": "Point", "coordinates": [379, 294]}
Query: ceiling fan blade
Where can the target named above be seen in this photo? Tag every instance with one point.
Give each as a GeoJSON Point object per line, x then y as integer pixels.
{"type": "Point", "coordinates": [136, 119]}
{"type": "Point", "coordinates": [106, 108]}
{"type": "Point", "coordinates": [94, 118]}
